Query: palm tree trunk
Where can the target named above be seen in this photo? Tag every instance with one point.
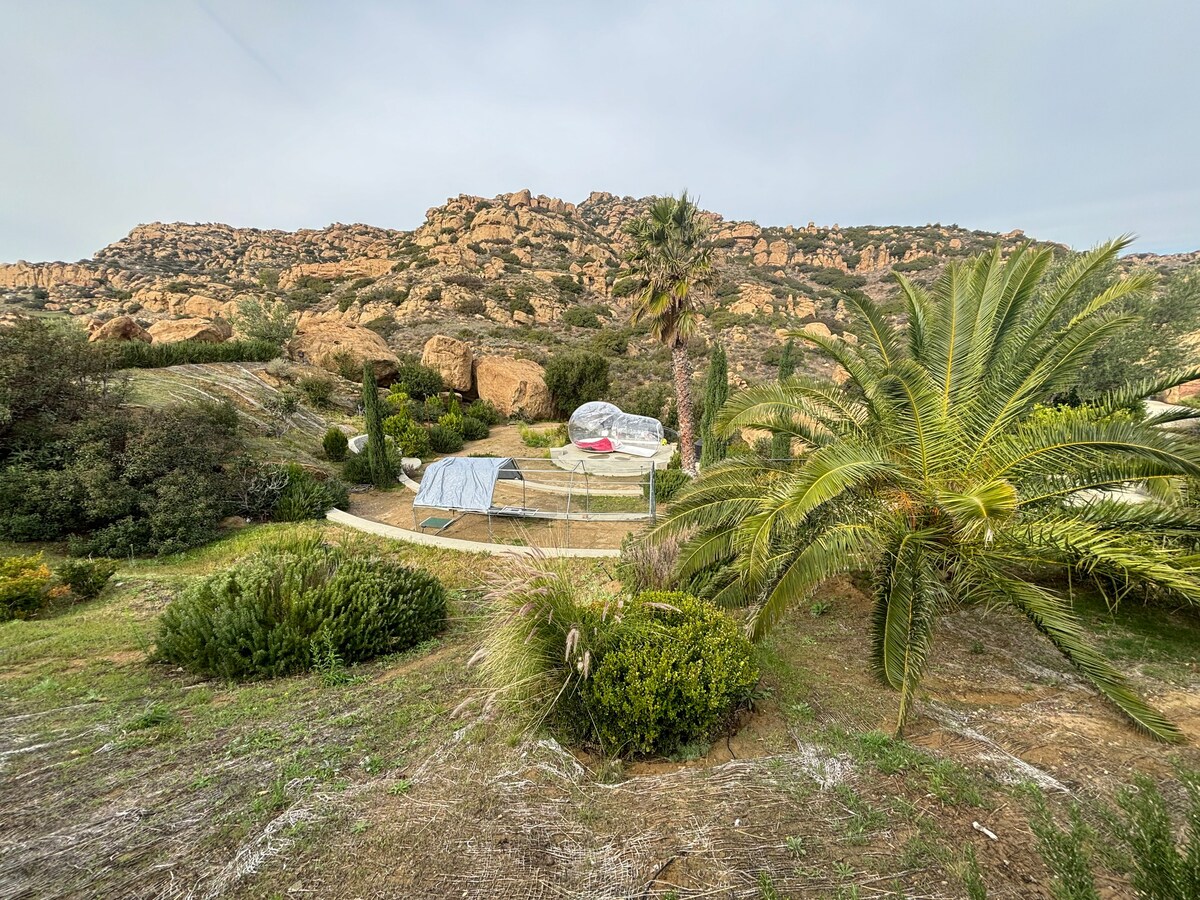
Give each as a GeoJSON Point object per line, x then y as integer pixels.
{"type": "Point", "coordinates": [683, 404]}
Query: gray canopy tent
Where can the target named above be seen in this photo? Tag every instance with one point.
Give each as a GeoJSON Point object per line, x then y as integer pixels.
{"type": "Point", "coordinates": [463, 484]}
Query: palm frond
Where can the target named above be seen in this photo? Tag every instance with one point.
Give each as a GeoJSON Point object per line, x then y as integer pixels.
{"type": "Point", "coordinates": [1054, 619]}
{"type": "Point", "coordinates": [835, 551]}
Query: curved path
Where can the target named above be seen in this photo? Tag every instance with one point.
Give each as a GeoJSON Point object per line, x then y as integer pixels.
{"type": "Point", "coordinates": [434, 540]}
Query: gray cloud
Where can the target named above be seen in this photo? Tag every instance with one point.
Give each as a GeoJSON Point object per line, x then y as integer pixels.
{"type": "Point", "coordinates": [1073, 120]}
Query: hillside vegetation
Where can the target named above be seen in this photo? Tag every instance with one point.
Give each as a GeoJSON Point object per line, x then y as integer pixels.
{"type": "Point", "coordinates": [517, 274]}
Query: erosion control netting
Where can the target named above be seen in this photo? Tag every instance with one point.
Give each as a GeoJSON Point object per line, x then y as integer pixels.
{"type": "Point", "coordinates": [602, 427]}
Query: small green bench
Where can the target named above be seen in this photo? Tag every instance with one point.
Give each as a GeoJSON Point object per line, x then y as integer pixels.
{"type": "Point", "coordinates": [437, 523]}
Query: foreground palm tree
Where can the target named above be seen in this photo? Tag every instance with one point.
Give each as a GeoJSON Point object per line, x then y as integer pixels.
{"type": "Point", "coordinates": [929, 469]}
{"type": "Point", "coordinates": [670, 261]}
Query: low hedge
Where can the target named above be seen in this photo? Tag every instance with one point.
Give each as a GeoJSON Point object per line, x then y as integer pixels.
{"type": "Point", "coordinates": [139, 355]}
{"type": "Point", "coordinates": [273, 612]}
{"type": "Point", "coordinates": [444, 440]}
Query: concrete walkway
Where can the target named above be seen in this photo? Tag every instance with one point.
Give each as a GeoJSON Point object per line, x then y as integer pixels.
{"type": "Point", "coordinates": [448, 543]}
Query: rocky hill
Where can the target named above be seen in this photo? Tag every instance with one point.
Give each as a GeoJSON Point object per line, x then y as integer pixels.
{"type": "Point", "coordinates": [516, 274]}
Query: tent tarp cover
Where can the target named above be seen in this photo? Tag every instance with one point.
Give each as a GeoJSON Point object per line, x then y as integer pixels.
{"type": "Point", "coordinates": [464, 483]}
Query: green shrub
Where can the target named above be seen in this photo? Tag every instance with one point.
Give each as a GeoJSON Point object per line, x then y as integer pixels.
{"type": "Point", "coordinates": [433, 409]}
{"type": "Point", "coordinates": [314, 284]}
{"type": "Point", "coordinates": [641, 676]}
{"type": "Point", "coordinates": [263, 617]}
{"type": "Point", "coordinates": [86, 577]}
{"type": "Point", "coordinates": [474, 429]}
{"type": "Point", "coordinates": [676, 669]}
{"type": "Point", "coordinates": [1064, 850]}
{"type": "Point", "coordinates": [270, 322]}
{"type": "Point", "coordinates": [137, 355]}
{"type": "Point", "coordinates": [837, 279]}
{"type": "Point", "coordinates": [625, 287]}
{"type": "Point", "coordinates": [576, 378]}
{"type": "Point", "coordinates": [485, 411]}
{"type": "Point", "coordinates": [410, 437]}
{"type": "Point", "coordinates": [646, 400]}
{"type": "Point", "coordinates": [255, 487]}
{"type": "Point", "coordinates": [470, 306]}
{"type": "Point", "coordinates": [610, 343]}
{"type": "Point", "coordinates": [471, 282]}
{"type": "Point", "coordinates": [336, 444]}
{"type": "Point", "coordinates": [444, 440]}
{"type": "Point", "coordinates": [518, 299]}
{"type": "Point", "coordinates": [158, 484]}
{"type": "Point", "coordinates": [667, 483]}
{"type": "Point", "coordinates": [307, 497]}
{"type": "Point", "coordinates": [452, 421]}
{"type": "Point", "coordinates": [24, 586]}
{"type": "Point", "coordinates": [581, 317]}
{"type": "Point", "coordinates": [418, 381]}
{"type": "Point", "coordinates": [346, 365]}
{"type": "Point", "coordinates": [1165, 860]}
{"type": "Point", "coordinates": [567, 284]}
{"type": "Point", "coordinates": [317, 390]}
{"type": "Point", "coordinates": [357, 467]}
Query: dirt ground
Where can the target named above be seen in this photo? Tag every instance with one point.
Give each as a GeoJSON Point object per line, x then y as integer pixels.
{"type": "Point", "coordinates": [547, 489]}
{"type": "Point", "coordinates": [123, 778]}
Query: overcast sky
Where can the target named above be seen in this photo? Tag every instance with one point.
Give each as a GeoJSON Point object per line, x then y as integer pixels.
{"type": "Point", "coordinates": [1075, 121]}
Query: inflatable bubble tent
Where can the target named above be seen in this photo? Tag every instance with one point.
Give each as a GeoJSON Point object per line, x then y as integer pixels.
{"type": "Point", "coordinates": [602, 428]}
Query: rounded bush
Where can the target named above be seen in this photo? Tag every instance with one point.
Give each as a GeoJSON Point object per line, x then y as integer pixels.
{"type": "Point", "coordinates": [452, 420]}
{"type": "Point", "coordinates": [336, 444]}
{"type": "Point", "coordinates": [24, 586]}
{"type": "Point", "coordinates": [485, 411]}
{"type": "Point", "coordinates": [274, 611]}
{"type": "Point", "coordinates": [444, 440]}
{"type": "Point", "coordinates": [676, 668]}
{"type": "Point", "coordinates": [411, 438]}
{"type": "Point", "coordinates": [474, 429]}
{"type": "Point", "coordinates": [317, 390]}
{"type": "Point", "coordinates": [417, 381]}
{"type": "Point", "coordinates": [356, 469]}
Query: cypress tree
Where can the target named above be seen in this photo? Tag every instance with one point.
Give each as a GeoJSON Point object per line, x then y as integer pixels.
{"type": "Point", "coordinates": [716, 392]}
{"type": "Point", "coordinates": [781, 444]}
{"type": "Point", "coordinates": [377, 456]}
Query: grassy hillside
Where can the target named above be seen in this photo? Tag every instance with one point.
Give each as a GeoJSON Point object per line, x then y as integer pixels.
{"type": "Point", "coordinates": [124, 777]}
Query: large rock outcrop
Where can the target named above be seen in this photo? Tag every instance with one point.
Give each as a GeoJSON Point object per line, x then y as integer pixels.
{"type": "Point", "coordinates": [172, 331]}
{"type": "Point", "coordinates": [516, 387]}
{"type": "Point", "coordinates": [122, 328]}
{"type": "Point", "coordinates": [321, 341]}
{"type": "Point", "coordinates": [451, 358]}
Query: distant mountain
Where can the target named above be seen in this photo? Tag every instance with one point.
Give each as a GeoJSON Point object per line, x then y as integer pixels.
{"type": "Point", "coordinates": [517, 273]}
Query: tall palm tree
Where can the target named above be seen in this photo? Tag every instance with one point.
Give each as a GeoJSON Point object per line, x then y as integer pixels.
{"type": "Point", "coordinates": [931, 469]}
{"type": "Point", "coordinates": [671, 262]}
